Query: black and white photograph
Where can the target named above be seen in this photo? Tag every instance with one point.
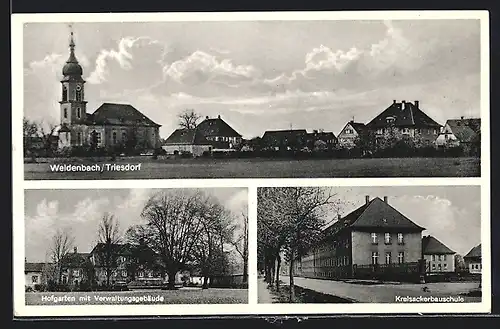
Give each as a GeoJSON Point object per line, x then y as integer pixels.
{"type": "Point", "coordinates": [391, 244]}
{"type": "Point", "coordinates": [252, 99]}
{"type": "Point", "coordinates": [136, 246]}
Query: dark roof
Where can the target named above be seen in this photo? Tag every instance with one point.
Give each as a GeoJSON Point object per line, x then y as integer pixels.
{"type": "Point", "coordinates": [321, 135]}
{"type": "Point", "coordinates": [119, 114]}
{"type": "Point", "coordinates": [431, 245]}
{"type": "Point", "coordinates": [75, 259]}
{"type": "Point", "coordinates": [282, 135]}
{"type": "Point", "coordinates": [466, 130]}
{"type": "Point", "coordinates": [33, 267]}
{"type": "Point", "coordinates": [359, 127]}
{"type": "Point", "coordinates": [216, 127]}
{"type": "Point", "coordinates": [474, 252]}
{"type": "Point", "coordinates": [376, 214]}
{"type": "Point", "coordinates": [120, 248]}
{"type": "Point", "coordinates": [187, 137]}
{"type": "Point", "coordinates": [64, 129]}
{"type": "Point", "coordinates": [405, 114]}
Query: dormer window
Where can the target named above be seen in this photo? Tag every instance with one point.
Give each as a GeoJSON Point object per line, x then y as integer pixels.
{"type": "Point", "coordinates": [390, 119]}
{"type": "Point", "coordinates": [406, 131]}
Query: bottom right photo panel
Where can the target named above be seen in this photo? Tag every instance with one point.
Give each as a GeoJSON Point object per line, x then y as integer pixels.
{"type": "Point", "coordinates": [387, 244]}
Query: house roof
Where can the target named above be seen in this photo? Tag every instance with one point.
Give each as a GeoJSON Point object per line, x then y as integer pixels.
{"type": "Point", "coordinates": [359, 127]}
{"type": "Point", "coordinates": [187, 137]}
{"type": "Point", "coordinates": [376, 214]}
{"type": "Point", "coordinates": [119, 114]}
{"type": "Point", "coordinates": [466, 130]}
{"type": "Point", "coordinates": [431, 245]}
{"type": "Point", "coordinates": [279, 135]}
{"type": "Point", "coordinates": [33, 267]}
{"type": "Point", "coordinates": [405, 114]}
{"type": "Point", "coordinates": [216, 127]}
{"type": "Point", "coordinates": [322, 135]}
{"type": "Point", "coordinates": [474, 252]}
{"type": "Point", "coordinates": [75, 259]}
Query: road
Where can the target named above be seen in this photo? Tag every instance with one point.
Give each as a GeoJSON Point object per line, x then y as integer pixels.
{"type": "Point", "coordinates": [385, 293]}
{"type": "Point", "coordinates": [264, 296]}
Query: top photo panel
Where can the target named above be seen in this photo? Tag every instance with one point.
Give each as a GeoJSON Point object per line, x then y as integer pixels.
{"type": "Point", "coordinates": [253, 99]}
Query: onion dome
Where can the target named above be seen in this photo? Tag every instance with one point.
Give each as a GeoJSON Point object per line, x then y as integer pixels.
{"type": "Point", "coordinates": [72, 68]}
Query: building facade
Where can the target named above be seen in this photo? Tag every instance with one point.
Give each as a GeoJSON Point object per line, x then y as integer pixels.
{"type": "Point", "coordinates": [473, 260]}
{"type": "Point", "coordinates": [373, 241]}
{"type": "Point", "coordinates": [189, 141]}
{"type": "Point", "coordinates": [219, 134]}
{"type": "Point", "coordinates": [33, 275]}
{"type": "Point", "coordinates": [438, 257]}
{"type": "Point", "coordinates": [111, 126]}
{"type": "Point", "coordinates": [404, 121]}
{"type": "Point", "coordinates": [465, 133]}
{"type": "Point", "coordinates": [350, 135]}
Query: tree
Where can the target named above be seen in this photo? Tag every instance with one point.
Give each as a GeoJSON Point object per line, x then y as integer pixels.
{"type": "Point", "coordinates": [240, 243]}
{"type": "Point", "coordinates": [62, 242]}
{"type": "Point", "coordinates": [188, 119]}
{"type": "Point", "coordinates": [109, 240]}
{"type": "Point", "coordinates": [174, 225]}
{"type": "Point", "coordinates": [294, 220]}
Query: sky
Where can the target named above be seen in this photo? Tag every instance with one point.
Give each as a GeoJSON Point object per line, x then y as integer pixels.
{"type": "Point", "coordinates": [452, 214]}
{"type": "Point", "coordinates": [80, 211]}
{"type": "Point", "coordinates": [260, 75]}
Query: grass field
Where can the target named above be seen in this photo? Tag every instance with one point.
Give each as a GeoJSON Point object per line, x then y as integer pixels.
{"type": "Point", "coordinates": [266, 168]}
{"type": "Point", "coordinates": [182, 296]}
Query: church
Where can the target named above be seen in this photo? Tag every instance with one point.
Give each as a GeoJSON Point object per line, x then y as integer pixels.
{"type": "Point", "coordinates": [112, 126]}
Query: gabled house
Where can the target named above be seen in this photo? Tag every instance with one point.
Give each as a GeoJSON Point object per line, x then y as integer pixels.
{"type": "Point", "coordinates": [219, 134]}
{"type": "Point", "coordinates": [404, 120]}
{"type": "Point", "coordinates": [34, 274]}
{"type": "Point", "coordinates": [460, 132]}
{"type": "Point", "coordinates": [284, 140]}
{"type": "Point", "coordinates": [374, 239]}
{"type": "Point", "coordinates": [473, 260]}
{"type": "Point", "coordinates": [187, 141]}
{"type": "Point", "coordinates": [351, 134]}
{"type": "Point", "coordinates": [438, 257]}
{"type": "Point", "coordinates": [321, 140]}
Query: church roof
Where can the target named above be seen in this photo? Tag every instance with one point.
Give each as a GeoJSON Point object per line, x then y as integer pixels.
{"type": "Point", "coordinates": [186, 137]}
{"type": "Point", "coordinates": [431, 245]}
{"type": "Point", "coordinates": [216, 127]}
{"type": "Point", "coordinates": [119, 114]}
{"type": "Point", "coordinates": [404, 114]}
{"type": "Point", "coordinates": [72, 71]}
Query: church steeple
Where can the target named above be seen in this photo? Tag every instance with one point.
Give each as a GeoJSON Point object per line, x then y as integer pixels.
{"type": "Point", "coordinates": [72, 57]}
{"type": "Point", "coordinates": [72, 70]}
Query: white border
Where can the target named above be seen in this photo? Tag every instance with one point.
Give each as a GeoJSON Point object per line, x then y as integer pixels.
{"type": "Point", "coordinates": [20, 309]}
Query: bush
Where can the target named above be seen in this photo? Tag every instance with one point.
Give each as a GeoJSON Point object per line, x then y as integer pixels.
{"type": "Point", "coordinates": [28, 289]}
{"type": "Point", "coordinates": [40, 287]}
{"type": "Point", "coordinates": [185, 154]}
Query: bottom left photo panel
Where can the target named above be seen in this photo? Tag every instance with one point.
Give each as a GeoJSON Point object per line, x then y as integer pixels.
{"type": "Point", "coordinates": [136, 246]}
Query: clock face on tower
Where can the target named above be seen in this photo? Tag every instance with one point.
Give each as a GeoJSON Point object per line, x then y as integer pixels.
{"type": "Point", "coordinates": [78, 87]}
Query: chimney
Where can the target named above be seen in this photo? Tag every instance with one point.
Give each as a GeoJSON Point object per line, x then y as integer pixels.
{"type": "Point", "coordinates": [403, 104]}
{"type": "Point", "coordinates": [385, 199]}
{"type": "Point", "coordinates": [417, 103]}
{"type": "Point", "coordinates": [393, 101]}
{"type": "Point", "coordinates": [75, 250]}
{"type": "Point", "coordinates": [206, 117]}
{"type": "Point", "coordinates": [315, 131]}
{"type": "Point", "coordinates": [367, 199]}
{"type": "Point", "coordinates": [218, 116]}
{"type": "Point", "coordinates": [461, 118]}
{"type": "Point", "coordinates": [339, 216]}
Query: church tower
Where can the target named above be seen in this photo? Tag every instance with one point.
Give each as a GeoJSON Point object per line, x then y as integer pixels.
{"type": "Point", "coordinates": [73, 106]}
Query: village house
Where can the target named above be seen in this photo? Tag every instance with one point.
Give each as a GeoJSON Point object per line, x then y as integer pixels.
{"type": "Point", "coordinates": [351, 134]}
{"type": "Point", "coordinates": [219, 134]}
{"type": "Point", "coordinates": [76, 269]}
{"type": "Point", "coordinates": [473, 260]}
{"type": "Point", "coordinates": [460, 132]}
{"type": "Point", "coordinates": [438, 257]}
{"type": "Point", "coordinates": [111, 126]}
{"type": "Point", "coordinates": [320, 140]}
{"type": "Point", "coordinates": [34, 274]}
{"type": "Point", "coordinates": [187, 141]}
{"type": "Point", "coordinates": [375, 240]}
{"type": "Point", "coordinates": [284, 140]}
{"type": "Point", "coordinates": [404, 120]}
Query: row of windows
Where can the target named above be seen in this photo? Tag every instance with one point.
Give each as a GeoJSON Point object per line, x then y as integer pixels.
{"type": "Point", "coordinates": [78, 94]}
{"type": "Point", "coordinates": [476, 266]}
{"type": "Point", "coordinates": [438, 258]}
{"type": "Point", "coordinates": [387, 238]}
{"type": "Point", "coordinates": [78, 113]}
{"type": "Point", "coordinates": [407, 131]}
{"type": "Point", "coordinates": [388, 257]}
{"type": "Point", "coordinates": [440, 267]}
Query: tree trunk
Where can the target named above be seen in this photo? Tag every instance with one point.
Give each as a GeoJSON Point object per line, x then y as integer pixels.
{"type": "Point", "coordinates": [292, 284]}
{"type": "Point", "coordinates": [278, 264]}
{"type": "Point", "coordinates": [272, 268]}
{"type": "Point", "coordinates": [205, 282]}
{"type": "Point", "coordinates": [108, 277]}
{"type": "Point", "coordinates": [171, 278]}
{"type": "Point", "coordinates": [245, 266]}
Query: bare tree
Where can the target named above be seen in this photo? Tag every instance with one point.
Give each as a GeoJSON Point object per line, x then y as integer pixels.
{"type": "Point", "coordinates": [62, 242]}
{"type": "Point", "coordinates": [240, 243]}
{"type": "Point", "coordinates": [188, 119]}
{"type": "Point", "coordinates": [37, 135]}
{"type": "Point", "coordinates": [109, 240]}
{"type": "Point", "coordinates": [175, 225]}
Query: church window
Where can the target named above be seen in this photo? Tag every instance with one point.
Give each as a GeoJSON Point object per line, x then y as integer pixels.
{"type": "Point", "coordinates": [78, 93]}
{"type": "Point", "coordinates": [98, 138]}
{"type": "Point", "coordinates": [79, 138]}
{"type": "Point", "coordinates": [65, 113]}
{"type": "Point", "coordinates": [124, 136]}
{"type": "Point", "coordinates": [114, 137]}
{"type": "Point", "coordinates": [64, 94]}
{"type": "Point", "coordinates": [78, 112]}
